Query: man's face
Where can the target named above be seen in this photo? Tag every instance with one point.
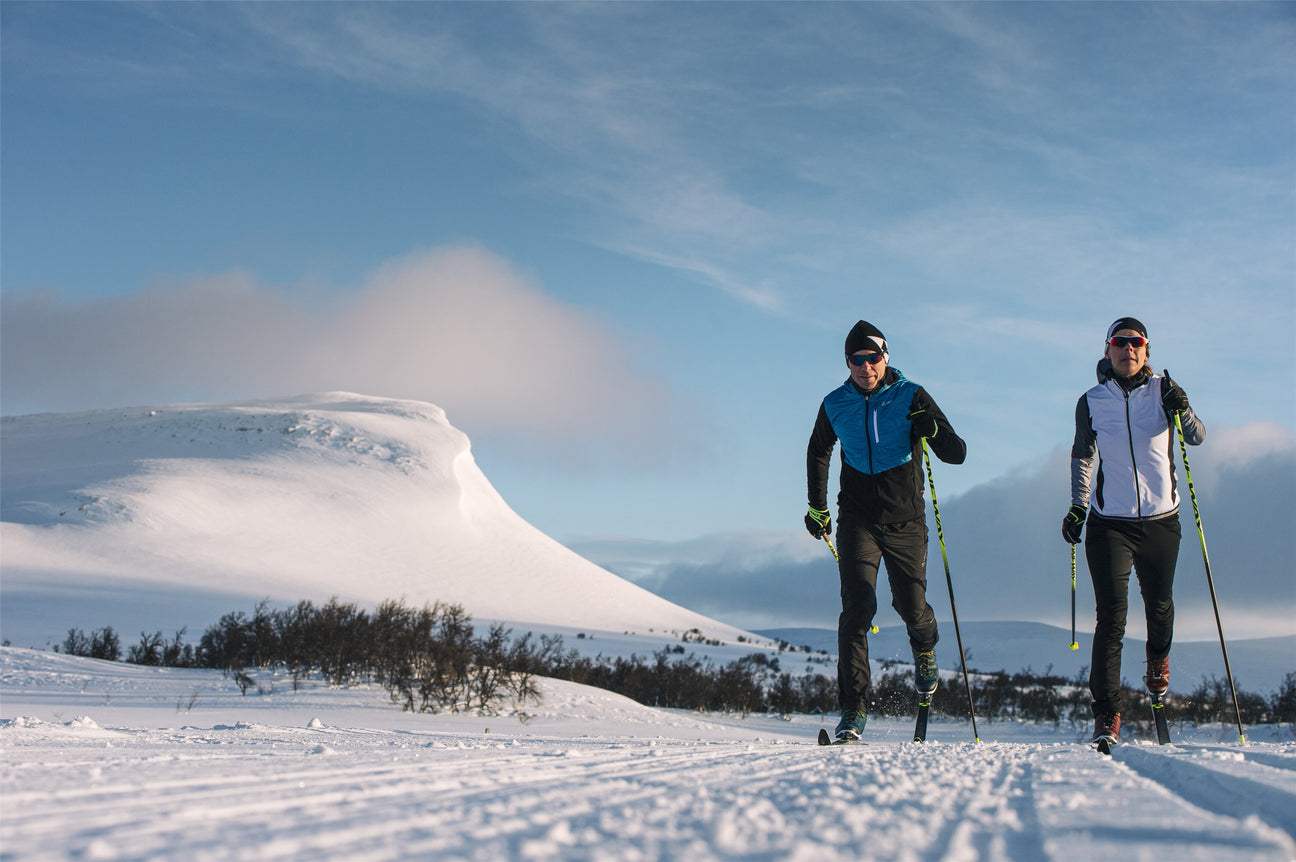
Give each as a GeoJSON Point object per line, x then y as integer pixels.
{"type": "Point", "coordinates": [1128, 352]}
{"type": "Point", "coordinates": [867, 368]}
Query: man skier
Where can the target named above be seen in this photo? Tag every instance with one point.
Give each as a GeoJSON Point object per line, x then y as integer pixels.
{"type": "Point", "coordinates": [881, 418]}
{"type": "Point", "coordinates": [1132, 509]}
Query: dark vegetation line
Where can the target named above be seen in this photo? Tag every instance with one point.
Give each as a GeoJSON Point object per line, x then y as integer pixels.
{"type": "Point", "coordinates": [430, 659]}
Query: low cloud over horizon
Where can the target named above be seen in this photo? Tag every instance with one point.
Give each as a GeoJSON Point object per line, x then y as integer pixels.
{"type": "Point", "coordinates": [455, 326]}
{"type": "Point", "coordinates": [1007, 557]}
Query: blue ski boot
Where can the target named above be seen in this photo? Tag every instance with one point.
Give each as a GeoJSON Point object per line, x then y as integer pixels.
{"type": "Point", "coordinates": [851, 726]}
{"type": "Point", "coordinates": [926, 677]}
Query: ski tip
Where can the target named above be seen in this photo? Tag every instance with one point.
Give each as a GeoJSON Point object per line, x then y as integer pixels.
{"type": "Point", "coordinates": [1104, 746]}
{"type": "Point", "coordinates": [824, 738]}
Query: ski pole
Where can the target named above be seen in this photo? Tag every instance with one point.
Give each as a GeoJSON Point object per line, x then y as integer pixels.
{"type": "Point", "coordinates": [872, 629]}
{"type": "Point", "coordinates": [831, 548]}
{"type": "Point", "coordinates": [1210, 581]}
{"type": "Point", "coordinates": [1074, 645]}
{"type": "Point", "coordinates": [949, 582]}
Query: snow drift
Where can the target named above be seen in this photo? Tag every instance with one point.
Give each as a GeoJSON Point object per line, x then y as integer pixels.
{"type": "Point", "coordinates": [152, 518]}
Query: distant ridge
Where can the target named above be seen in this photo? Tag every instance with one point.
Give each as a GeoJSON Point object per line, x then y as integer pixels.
{"type": "Point", "coordinates": [1260, 664]}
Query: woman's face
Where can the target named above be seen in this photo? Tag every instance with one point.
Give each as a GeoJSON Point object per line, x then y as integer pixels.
{"type": "Point", "coordinates": [1125, 357]}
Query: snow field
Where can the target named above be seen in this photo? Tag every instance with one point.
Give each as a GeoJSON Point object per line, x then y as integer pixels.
{"type": "Point", "coordinates": [254, 792]}
{"type": "Point", "coordinates": [105, 761]}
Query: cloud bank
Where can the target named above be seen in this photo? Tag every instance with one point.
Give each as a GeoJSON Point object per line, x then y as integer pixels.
{"type": "Point", "coordinates": [1007, 557]}
{"type": "Point", "coordinates": [454, 326]}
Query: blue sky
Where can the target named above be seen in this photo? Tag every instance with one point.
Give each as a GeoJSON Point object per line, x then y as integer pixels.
{"type": "Point", "coordinates": [622, 244]}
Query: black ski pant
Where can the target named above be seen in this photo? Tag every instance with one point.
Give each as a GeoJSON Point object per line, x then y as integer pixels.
{"type": "Point", "coordinates": [862, 547]}
{"type": "Point", "coordinates": [1114, 546]}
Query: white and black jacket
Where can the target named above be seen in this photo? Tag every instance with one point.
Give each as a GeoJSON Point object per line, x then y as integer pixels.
{"type": "Point", "coordinates": [1122, 420]}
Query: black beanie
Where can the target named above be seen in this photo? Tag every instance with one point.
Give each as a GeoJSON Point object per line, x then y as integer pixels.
{"type": "Point", "coordinates": [865, 336]}
{"type": "Point", "coordinates": [1127, 323]}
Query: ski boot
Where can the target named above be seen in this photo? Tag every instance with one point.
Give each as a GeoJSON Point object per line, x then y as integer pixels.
{"type": "Point", "coordinates": [1106, 731]}
{"type": "Point", "coordinates": [851, 726]}
{"type": "Point", "coordinates": [1158, 676]}
{"type": "Point", "coordinates": [1158, 683]}
{"type": "Point", "coordinates": [926, 676]}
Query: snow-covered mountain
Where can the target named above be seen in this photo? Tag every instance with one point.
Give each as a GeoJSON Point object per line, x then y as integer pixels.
{"type": "Point", "coordinates": [161, 517]}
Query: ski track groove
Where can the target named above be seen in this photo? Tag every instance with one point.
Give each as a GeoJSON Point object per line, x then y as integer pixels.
{"type": "Point", "coordinates": [626, 799]}
{"type": "Point", "coordinates": [171, 812]}
{"type": "Point", "coordinates": [985, 817]}
{"type": "Point", "coordinates": [1106, 835]}
{"type": "Point", "coordinates": [1204, 776]}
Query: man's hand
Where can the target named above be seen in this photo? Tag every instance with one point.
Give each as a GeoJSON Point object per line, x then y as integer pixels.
{"type": "Point", "coordinates": [923, 423]}
{"type": "Point", "coordinates": [1073, 523]}
{"type": "Point", "coordinates": [818, 522]}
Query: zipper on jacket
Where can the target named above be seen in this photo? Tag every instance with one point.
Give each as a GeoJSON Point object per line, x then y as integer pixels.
{"type": "Point", "coordinates": [868, 411]}
{"type": "Point", "coordinates": [1129, 433]}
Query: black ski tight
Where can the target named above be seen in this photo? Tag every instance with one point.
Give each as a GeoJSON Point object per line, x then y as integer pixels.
{"type": "Point", "coordinates": [863, 547]}
{"type": "Point", "coordinates": [1112, 548]}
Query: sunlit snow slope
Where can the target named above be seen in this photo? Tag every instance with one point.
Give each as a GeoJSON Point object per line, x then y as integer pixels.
{"type": "Point", "coordinates": [153, 518]}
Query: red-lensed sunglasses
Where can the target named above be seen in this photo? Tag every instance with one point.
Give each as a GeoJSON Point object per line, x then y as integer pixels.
{"type": "Point", "coordinates": [1135, 341]}
{"type": "Point", "coordinates": [871, 358]}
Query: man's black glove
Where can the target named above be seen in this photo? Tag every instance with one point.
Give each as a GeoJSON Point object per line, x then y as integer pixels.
{"type": "Point", "coordinates": [922, 423]}
{"type": "Point", "coordinates": [1173, 398]}
{"type": "Point", "coordinates": [818, 522]}
{"type": "Point", "coordinates": [1073, 523]}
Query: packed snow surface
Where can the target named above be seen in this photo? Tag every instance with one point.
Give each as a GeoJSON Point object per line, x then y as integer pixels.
{"type": "Point", "coordinates": [110, 761]}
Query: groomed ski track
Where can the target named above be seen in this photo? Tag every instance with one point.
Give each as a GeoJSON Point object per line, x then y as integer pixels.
{"type": "Point", "coordinates": [104, 760]}
{"type": "Point", "coordinates": [259, 792]}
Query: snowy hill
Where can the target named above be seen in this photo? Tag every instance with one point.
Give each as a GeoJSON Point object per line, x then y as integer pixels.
{"type": "Point", "coordinates": [162, 517]}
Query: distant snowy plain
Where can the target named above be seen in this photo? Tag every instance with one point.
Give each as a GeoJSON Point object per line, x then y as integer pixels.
{"type": "Point", "coordinates": [153, 518]}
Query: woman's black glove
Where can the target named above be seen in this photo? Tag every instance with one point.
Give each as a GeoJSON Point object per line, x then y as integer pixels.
{"type": "Point", "coordinates": [1173, 398]}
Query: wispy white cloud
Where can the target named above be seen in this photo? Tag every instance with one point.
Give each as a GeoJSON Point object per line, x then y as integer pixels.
{"type": "Point", "coordinates": [622, 128]}
{"type": "Point", "coordinates": [740, 146]}
{"type": "Point", "coordinates": [455, 326]}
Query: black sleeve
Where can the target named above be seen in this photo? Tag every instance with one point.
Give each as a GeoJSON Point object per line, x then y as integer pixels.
{"type": "Point", "coordinates": [1082, 454]}
{"type": "Point", "coordinates": [1086, 439]}
{"type": "Point", "coordinates": [948, 446]}
{"type": "Point", "coordinates": [818, 460]}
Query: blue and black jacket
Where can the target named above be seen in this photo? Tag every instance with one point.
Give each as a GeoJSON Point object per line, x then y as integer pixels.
{"type": "Point", "coordinates": [881, 472]}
